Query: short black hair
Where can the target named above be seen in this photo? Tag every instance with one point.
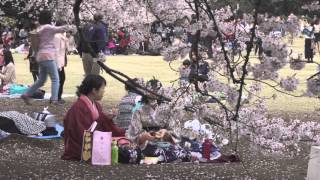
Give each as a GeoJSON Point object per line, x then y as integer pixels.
{"type": "Point", "coordinates": [186, 62]}
{"type": "Point", "coordinates": [129, 87]}
{"type": "Point", "coordinates": [154, 84]}
{"type": "Point", "coordinates": [45, 17]}
{"type": "Point", "coordinates": [89, 83]}
{"type": "Point", "coordinates": [7, 57]}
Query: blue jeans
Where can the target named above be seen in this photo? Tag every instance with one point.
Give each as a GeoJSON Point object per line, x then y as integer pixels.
{"type": "Point", "coordinates": [45, 68]}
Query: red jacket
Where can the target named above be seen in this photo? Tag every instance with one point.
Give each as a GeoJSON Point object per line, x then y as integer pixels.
{"type": "Point", "coordinates": [78, 119]}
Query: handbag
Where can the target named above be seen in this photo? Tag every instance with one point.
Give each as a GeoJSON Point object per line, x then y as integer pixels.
{"type": "Point", "coordinates": [128, 153]}
{"type": "Point", "coordinates": [122, 141]}
{"type": "Point", "coordinates": [166, 152]}
{"type": "Point", "coordinates": [86, 151]}
{"type": "Point", "coordinates": [101, 148]}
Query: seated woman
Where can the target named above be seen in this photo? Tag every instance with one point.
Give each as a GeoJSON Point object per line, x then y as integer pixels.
{"type": "Point", "coordinates": [8, 72]}
{"type": "Point", "coordinates": [83, 113]}
{"type": "Point", "coordinates": [126, 106]}
{"type": "Point", "coordinates": [151, 127]}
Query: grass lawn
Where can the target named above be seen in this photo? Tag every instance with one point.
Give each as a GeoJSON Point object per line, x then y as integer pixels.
{"type": "Point", "coordinates": [149, 66]}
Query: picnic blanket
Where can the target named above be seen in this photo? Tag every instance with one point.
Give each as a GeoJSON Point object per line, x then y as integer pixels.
{"type": "Point", "coordinates": [46, 96]}
{"type": "Point", "coordinates": [58, 127]}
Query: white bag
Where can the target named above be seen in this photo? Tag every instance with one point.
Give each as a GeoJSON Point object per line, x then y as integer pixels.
{"type": "Point", "coordinates": [101, 148]}
{"type": "Point", "coordinates": [196, 126]}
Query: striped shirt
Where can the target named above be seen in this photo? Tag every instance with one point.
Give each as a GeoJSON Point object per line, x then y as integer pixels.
{"type": "Point", "coordinates": [125, 107]}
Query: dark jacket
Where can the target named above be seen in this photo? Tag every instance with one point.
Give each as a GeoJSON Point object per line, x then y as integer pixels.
{"type": "Point", "coordinates": [96, 34]}
{"type": "Point", "coordinates": [100, 37]}
{"type": "Point", "coordinates": [199, 71]}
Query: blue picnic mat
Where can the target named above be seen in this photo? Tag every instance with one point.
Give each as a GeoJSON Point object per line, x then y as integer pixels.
{"type": "Point", "coordinates": [58, 127]}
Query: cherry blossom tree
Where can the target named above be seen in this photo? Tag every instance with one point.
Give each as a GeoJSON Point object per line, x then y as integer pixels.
{"type": "Point", "coordinates": [233, 70]}
{"type": "Point", "coordinates": [243, 113]}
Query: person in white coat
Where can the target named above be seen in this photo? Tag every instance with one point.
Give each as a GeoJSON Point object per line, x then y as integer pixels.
{"type": "Point", "coordinates": [61, 45]}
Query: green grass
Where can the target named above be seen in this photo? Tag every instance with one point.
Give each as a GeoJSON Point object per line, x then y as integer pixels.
{"type": "Point", "coordinates": [149, 66]}
{"type": "Point", "coordinates": [289, 103]}
{"type": "Point", "coordinates": [134, 66]}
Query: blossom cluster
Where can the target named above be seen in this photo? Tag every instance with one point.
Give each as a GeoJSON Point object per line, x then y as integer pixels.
{"type": "Point", "coordinates": [289, 84]}
{"type": "Point", "coordinates": [292, 24]}
{"type": "Point", "coordinates": [313, 87]}
{"type": "Point", "coordinates": [314, 6]}
{"type": "Point", "coordinates": [179, 50]}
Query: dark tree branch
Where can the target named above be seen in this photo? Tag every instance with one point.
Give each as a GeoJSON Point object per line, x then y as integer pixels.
{"type": "Point", "coordinates": [244, 68]}
{"type": "Point", "coordinates": [274, 87]}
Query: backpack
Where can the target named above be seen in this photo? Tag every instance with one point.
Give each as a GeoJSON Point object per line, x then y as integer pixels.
{"type": "Point", "coordinates": [128, 153]}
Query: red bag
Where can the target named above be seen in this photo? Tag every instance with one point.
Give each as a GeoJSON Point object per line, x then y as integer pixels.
{"type": "Point", "coordinates": [121, 141]}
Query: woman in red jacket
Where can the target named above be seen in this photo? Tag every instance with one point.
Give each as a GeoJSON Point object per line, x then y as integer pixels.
{"type": "Point", "coordinates": [83, 113]}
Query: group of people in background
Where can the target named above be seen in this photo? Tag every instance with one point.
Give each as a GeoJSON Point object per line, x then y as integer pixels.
{"type": "Point", "coordinates": [56, 42]}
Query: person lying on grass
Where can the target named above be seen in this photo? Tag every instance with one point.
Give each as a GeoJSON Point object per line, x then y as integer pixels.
{"type": "Point", "coordinates": [83, 113]}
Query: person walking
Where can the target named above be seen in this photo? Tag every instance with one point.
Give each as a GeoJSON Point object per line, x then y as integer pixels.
{"type": "Point", "coordinates": [45, 56]}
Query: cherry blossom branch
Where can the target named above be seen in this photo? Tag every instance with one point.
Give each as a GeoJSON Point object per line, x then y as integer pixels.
{"type": "Point", "coordinates": [131, 83]}
{"type": "Point", "coordinates": [257, 96]}
{"type": "Point", "coordinates": [185, 91]}
{"type": "Point", "coordinates": [274, 87]}
{"type": "Point", "coordinates": [318, 73]}
{"type": "Point", "coordinates": [172, 67]}
{"type": "Point", "coordinates": [154, 14]}
{"type": "Point", "coordinates": [208, 10]}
